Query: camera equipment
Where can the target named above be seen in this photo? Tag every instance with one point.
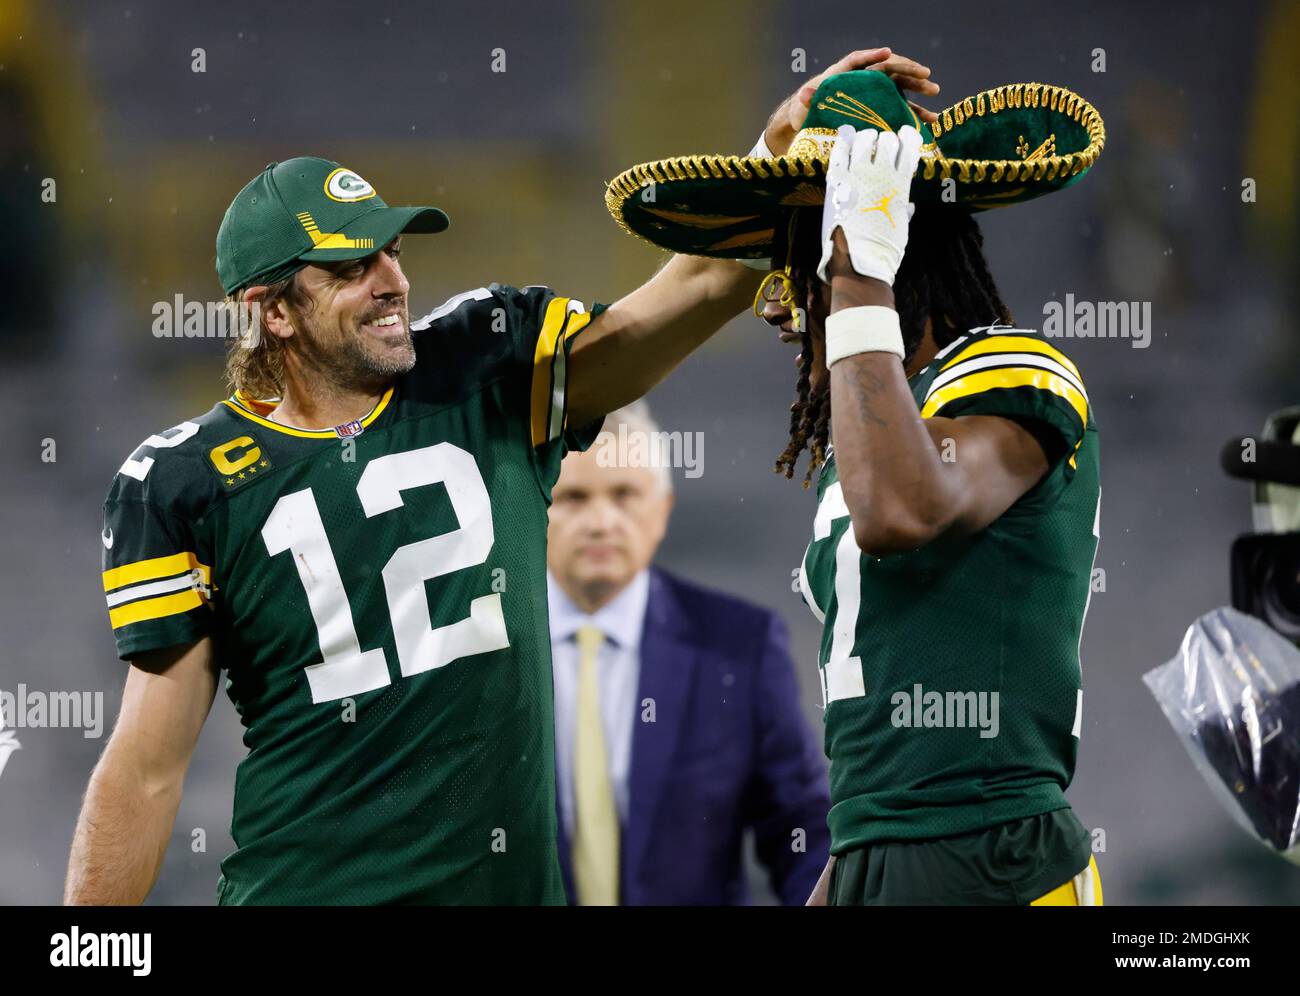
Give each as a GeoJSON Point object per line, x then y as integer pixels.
{"type": "Point", "coordinates": [1266, 563]}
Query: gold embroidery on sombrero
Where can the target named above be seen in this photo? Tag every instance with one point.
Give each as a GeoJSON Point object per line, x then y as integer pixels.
{"type": "Point", "coordinates": [1048, 148]}
{"type": "Point", "coordinates": [700, 220]}
{"type": "Point", "coordinates": [812, 143]}
{"type": "Point", "coordinates": [851, 107]}
{"type": "Point", "coordinates": [1055, 98]}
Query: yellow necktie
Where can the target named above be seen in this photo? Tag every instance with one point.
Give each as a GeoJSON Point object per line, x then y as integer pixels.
{"type": "Point", "coordinates": [595, 827]}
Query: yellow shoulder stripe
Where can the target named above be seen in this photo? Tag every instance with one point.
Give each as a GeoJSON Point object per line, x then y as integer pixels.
{"type": "Point", "coordinates": [150, 570]}
{"type": "Point", "coordinates": [154, 608]}
{"type": "Point", "coordinates": [558, 325]}
{"type": "Point", "coordinates": [1013, 344]}
{"type": "Point", "coordinates": [986, 380]}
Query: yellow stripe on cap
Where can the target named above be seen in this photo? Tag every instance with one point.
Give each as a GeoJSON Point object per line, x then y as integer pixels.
{"type": "Point", "coordinates": [1008, 377]}
{"type": "Point", "coordinates": [151, 570]}
{"type": "Point", "coordinates": [1013, 344]}
{"type": "Point", "coordinates": [154, 608]}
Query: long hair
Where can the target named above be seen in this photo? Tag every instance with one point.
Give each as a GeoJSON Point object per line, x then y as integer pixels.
{"type": "Point", "coordinates": [255, 360]}
{"type": "Point", "coordinates": [944, 279]}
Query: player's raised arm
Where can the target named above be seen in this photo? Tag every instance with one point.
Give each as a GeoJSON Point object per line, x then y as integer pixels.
{"type": "Point", "coordinates": [640, 338]}
{"type": "Point", "coordinates": [906, 478]}
{"type": "Point", "coordinates": [130, 806]}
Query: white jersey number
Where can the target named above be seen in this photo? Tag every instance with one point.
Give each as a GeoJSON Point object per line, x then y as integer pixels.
{"type": "Point", "coordinates": [295, 525]}
{"type": "Point", "coordinates": [842, 675]}
{"type": "Point", "coordinates": [139, 469]}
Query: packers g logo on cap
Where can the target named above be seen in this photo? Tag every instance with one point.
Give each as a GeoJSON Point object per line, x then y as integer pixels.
{"type": "Point", "coordinates": [344, 185]}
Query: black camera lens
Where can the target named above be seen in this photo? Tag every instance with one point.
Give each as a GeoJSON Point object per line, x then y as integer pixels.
{"type": "Point", "coordinates": [1266, 580]}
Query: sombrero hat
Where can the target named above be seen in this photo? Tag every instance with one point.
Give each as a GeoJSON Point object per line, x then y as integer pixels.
{"type": "Point", "coordinates": [1003, 146]}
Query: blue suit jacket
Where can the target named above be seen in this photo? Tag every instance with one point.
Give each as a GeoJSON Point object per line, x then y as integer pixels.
{"type": "Point", "coordinates": [728, 749]}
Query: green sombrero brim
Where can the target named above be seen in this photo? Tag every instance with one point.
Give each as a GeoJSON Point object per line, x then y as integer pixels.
{"type": "Point", "coordinates": [729, 206]}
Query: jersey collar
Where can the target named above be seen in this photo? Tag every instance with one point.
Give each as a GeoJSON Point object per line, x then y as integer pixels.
{"type": "Point", "coordinates": [256, 410]}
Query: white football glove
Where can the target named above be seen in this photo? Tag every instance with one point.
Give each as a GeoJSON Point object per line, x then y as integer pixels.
{"type": "Point", "coordinates": [868, 182]}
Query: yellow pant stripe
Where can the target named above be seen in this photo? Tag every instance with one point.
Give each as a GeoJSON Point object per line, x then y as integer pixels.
{"type": "Point", "coordinates": [1082, 890]}
{"type": "Point", "coordinates": [155, 608]}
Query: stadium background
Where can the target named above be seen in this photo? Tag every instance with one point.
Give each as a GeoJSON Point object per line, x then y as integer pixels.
{"type": "Point", "coordinates": [147, 153]}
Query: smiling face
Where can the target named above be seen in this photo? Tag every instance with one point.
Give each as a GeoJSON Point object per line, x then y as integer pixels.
{"type": "Point", "coordinates": [354, 330]}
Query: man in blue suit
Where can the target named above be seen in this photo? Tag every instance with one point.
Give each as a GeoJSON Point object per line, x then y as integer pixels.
{"type": "Point", "coordinates": [677, 712]}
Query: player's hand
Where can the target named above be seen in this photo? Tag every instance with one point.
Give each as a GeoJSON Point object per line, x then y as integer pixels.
{"type": "Point", "coordinates": [868, 183]}
{"type": "Point", "coordinates": [910, 75]}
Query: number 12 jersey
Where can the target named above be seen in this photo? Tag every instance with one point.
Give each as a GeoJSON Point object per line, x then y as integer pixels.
{"type": "Point", "coordinates": [375, 595]}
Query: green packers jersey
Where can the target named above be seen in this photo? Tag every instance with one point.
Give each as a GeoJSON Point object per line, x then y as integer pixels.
{"type": "Point", "coordinates": [950, 673]}
{"type": "Point", "coordinates": [376, 596]}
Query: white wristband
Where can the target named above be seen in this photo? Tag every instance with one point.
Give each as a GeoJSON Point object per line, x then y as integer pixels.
{"type": "Point", "coordinates": [868, 329]}
{"type": "Point", "coordinates": [759, 151]}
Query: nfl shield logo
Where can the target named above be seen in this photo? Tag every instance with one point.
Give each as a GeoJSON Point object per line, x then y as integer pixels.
{"type": "Point", "coordinates": [353, 428]}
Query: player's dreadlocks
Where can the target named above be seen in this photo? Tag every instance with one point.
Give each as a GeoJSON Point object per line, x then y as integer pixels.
{"type": "Point", "coordinates": [943, 277]}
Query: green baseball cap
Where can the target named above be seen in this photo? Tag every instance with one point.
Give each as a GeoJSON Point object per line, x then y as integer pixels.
{"type": "Point", "coordinates": [308, 210]}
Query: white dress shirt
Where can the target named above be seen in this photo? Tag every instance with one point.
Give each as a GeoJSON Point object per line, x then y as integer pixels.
{"type": "Point", "coordinates": [618, 670]}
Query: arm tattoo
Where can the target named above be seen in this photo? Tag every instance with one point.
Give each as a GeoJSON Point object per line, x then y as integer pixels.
{"type": "Point", "coordinates": [864, 388]}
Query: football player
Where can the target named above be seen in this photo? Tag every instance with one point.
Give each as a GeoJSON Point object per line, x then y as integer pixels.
{"type": "Point", "coordinates": [356, 537]}
{"type": "Point", "coordinates": [952, 547]}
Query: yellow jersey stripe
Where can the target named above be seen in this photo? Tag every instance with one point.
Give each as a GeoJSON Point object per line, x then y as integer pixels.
{"type": "Point", "coordinates": [155, 608]}
{"type": "Point", "coordinates": [152, 569]}
{"type": "Point", "coordinates": [576, 324]}
{"type": "Point", "coordinates": [543, 356]}
{"type": "Point", "coordinates": [986, 380]}
{"type": "Point", "coordinates": [235, 405]}
{"type": "Point", "coordinates": [578, 320]}
{"type": "Point", "coordinates": [1013, 344]}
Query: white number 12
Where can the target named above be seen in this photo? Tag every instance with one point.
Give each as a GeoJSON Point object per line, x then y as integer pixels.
{"type": "Point", "coordinates": [295, 525]}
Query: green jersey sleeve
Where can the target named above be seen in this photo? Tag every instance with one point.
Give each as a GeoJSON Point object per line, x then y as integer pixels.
{"type": "Point", "coordinates": [520, 337]}
{"type": "Point", "coordinates": [1015, 375]}
{"type": "Point", "coordinates": [157, 572]}
{"type": "Point", "coordinates": [543, 327]}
